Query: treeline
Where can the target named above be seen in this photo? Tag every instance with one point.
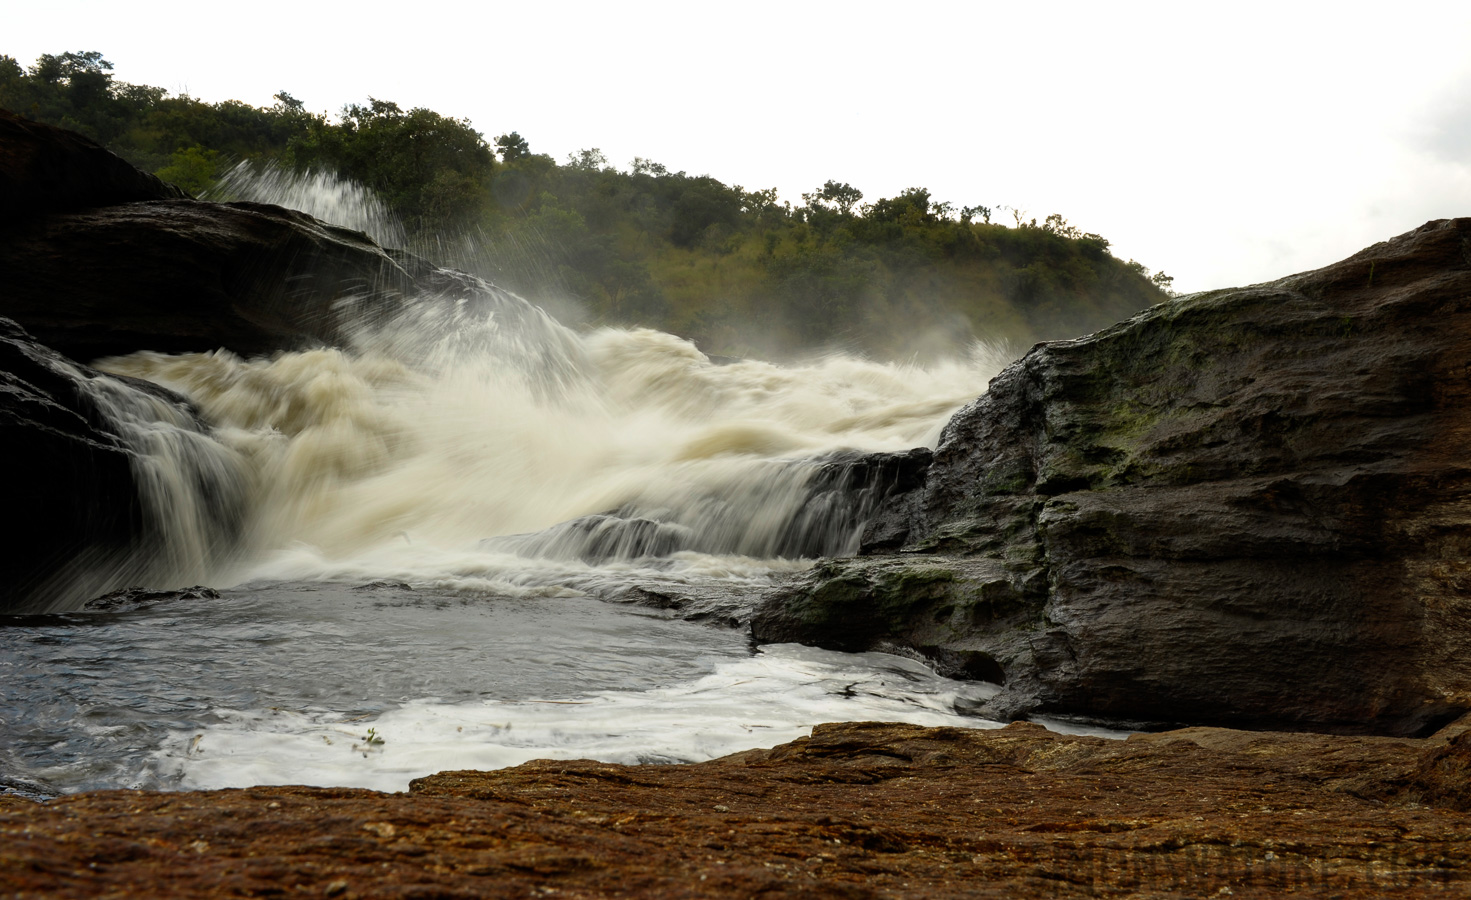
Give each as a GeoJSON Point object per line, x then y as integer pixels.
{"type": "Point", "coordinates": [737, 270]}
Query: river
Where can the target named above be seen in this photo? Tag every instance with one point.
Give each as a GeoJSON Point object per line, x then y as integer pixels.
{"type": "Point", "coordinates": [399, 590]}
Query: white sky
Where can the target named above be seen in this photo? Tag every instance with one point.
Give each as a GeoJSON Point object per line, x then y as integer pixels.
{"type": "Point", "coordinates": [1225, 144]}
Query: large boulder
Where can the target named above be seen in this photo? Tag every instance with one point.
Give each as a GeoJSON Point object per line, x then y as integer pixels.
{"type": "Point", "coordinates": [183, 275]}
{"type": "Point", "coordinates": [100, 259]}
{"type": "Point", "coordinates": [1247, 507]}
{"type": "Point", "coordinates": [46, 169]}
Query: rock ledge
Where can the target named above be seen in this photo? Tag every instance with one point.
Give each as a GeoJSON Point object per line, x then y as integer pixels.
{"type": "Point", "coordinates": [855, 811]}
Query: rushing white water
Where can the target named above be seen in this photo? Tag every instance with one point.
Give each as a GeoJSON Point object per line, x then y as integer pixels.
{"type": "Point", "coordinates": [419, 534]}
{"type": "Point", "coordinates": [762, 700]}
{"type": "Point", "coordinates": [418, 447]}
{"type": "Point", "coordinates": [375, 464]}
{"type": "Point", "coordinates": [323, 194]}
{"type": "Point", "coordinates": [197, 487]}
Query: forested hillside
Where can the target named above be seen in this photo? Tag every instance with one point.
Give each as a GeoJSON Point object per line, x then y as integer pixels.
{"type": "Point", "coordinates": [737, 270]}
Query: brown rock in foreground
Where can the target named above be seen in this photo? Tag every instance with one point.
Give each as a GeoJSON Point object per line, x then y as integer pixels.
{"type": "Point", "coordinates": [1248, 507]}
{"type": "Point", "coordinates": [857, 810]}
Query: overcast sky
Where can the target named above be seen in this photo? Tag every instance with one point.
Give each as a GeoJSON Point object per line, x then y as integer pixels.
{"type": "Point", "coordinates": [1226, 144]}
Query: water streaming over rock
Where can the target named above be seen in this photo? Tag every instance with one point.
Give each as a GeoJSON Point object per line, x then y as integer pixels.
{"type": "Point", "coordinates": [323, 194]}
{"type": "Point", "coordinates": [196, 488]}
{"type": "Point", "coordinates": [470, 451]}
{"type": "Point", "coordinates": [436, 452]}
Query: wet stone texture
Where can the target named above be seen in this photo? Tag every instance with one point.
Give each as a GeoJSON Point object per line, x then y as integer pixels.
{"type": "Point", "coordinates": [1248, 508]}
{"type": "Point", "coordinates": [143, 267]}
{"type": "Point", "coordinates": [857, 810]}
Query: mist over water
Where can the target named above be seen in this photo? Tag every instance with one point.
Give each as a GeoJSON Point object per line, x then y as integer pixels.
{"type": "Point", "coordinates": [436, 531]}
{"type": "Point", "coordinates": [325, 195]}
{"type": "Point", "coordinates": [415, 453]}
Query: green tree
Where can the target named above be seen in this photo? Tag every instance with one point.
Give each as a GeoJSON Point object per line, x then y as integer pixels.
{"type": "Point", "coordinates": [703, 204]}
{"type": "Point", "coordinates": [588, 160]}
{"type": "Point", "coordinates": [10, 73]}
{"type": "Point", "coordinates": [968, 213]}
{"type": "Point", "coordinates": [912, 207]}
{"type": "Point", "coordinates": [512, 147]}
{"type": "Point", "coordinates": [642, 166]}
{"type": "Point", "coordinates": [194, 169]}
{"type": "Point", "coordinates": [835, 195]}
{"type": "Point", "coordinates": [648, 246]}
{"type": "Point", "coordinates": [433, 171]}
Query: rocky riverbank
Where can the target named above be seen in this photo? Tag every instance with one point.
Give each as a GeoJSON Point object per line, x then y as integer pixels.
{"type": "Point", "coordinates": [855, 811]}
{"type": "Point", "coordinates": [1245, 508]}
{"type": "Point", "coordinates": [1249, 508]}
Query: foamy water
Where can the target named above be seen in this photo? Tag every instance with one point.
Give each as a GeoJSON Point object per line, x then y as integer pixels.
{"type": "Point", "coordinates": [373, 463]}
{"type": "Point", "coordinates": [758, 701]}
{"type": "Point", "coordinates": [478, 534]}
{"type": "Point", "coordinates": [323, 194]}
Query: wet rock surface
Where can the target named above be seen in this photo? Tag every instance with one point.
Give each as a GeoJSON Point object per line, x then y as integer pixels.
{"type": "Point", "coordinates": [99, 259]}
{"type": "Point", "coordinates": [856, 810]}
{"type": "Point", "coordinates": [833, 496]}
{"type": "Point", "coordinates": [1249, 507]}
{"type": "Point", "coordinates": [130, 599]}
{"type": "Point", "coordinates": [47, 169]}
{"type": "Point", "coordinates": [185, 276]}
{"type": "Point", "coordinates": [71, 478]}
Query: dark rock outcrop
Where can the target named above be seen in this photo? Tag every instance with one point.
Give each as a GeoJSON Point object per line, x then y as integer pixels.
{"type": "Point", "coordinates": [100, 259]}
{"type": "Point", "coordinates": [833, 497]}
{"type": "Point", "coordinates": [859, 810]}
{"type": "Point", "coordinates": [48, 169]}
{"type": "Point", "coordinates": [129, 599]}
{"type": "Point", "coordinates": [1248, 507]}
{"type": "Point", "coordinates": [180, 276]}
{"type": "Point", "coordinates": [843, 493]}
{"type": "Point", "coordinates": [74, 502]}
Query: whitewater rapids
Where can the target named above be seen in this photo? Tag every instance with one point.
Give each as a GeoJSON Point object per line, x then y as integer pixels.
{"type": "Point", "coordinates": [470, 537]}
{"type": "Point", "coordinates": [402, 458]}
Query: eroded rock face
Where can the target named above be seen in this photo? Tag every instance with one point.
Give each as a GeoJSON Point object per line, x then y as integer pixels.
{"type": "Point", "coordinates": [1246, 507]}
{"type": "Point", "coordinates": [856, 810]}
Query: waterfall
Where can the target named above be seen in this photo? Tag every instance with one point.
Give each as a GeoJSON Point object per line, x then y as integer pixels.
{"type": "Point", "coordinates": [473, 432]}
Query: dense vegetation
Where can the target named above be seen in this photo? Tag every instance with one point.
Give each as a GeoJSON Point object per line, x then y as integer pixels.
{"type": "Point", "coordinates": [735, 269]}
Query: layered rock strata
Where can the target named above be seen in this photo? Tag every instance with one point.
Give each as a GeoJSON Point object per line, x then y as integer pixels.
{"type": "Point", "coordinates": [1247, 507]}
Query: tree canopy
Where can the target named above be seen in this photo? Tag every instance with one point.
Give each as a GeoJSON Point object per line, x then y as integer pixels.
{"type": "Point", "coordinates": [738, 270]}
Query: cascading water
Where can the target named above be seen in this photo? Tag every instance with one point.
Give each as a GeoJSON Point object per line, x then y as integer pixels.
{"type": "Point", "coordinates": [416, 531]}
{"type": "Point", "coordinates": [455, 457]}
{"type": "Point", "coordinates": [172, 519]}
{"type": "Point", "coordinates": [324, 195]}
{"type": "Point", "coordinates": [195, 489]}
